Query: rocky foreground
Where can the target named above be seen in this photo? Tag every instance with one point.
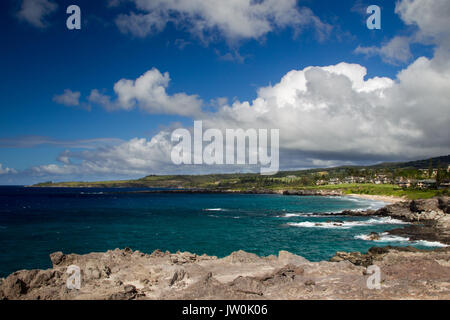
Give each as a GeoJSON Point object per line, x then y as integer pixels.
{"type": "Point", "coordinates": [406, 273]}
{"type": "Point", "coordinates": [126, 274]}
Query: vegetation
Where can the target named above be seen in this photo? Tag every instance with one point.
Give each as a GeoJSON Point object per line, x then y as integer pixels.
{"type": "Point", "coordinates": [372, 180]}
{"type": "Point", "coordinates": [386, 190]}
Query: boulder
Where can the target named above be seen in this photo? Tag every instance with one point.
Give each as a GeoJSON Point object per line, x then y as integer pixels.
{"type": "Point", "coordinates": [57, 258]}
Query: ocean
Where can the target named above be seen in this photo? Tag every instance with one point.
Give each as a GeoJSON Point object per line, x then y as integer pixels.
{"type": "Point", "coordinates": [35, 222]}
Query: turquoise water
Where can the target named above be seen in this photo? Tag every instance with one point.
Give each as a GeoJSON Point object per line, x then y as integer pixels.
{"type": "Point", "coordinates": [37, 222]}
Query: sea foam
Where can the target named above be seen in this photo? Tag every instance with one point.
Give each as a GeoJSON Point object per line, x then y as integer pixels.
{"type": "Point", "coordinates": [346, 224]}
{"type": "Point", "coordinates": [386, 237]}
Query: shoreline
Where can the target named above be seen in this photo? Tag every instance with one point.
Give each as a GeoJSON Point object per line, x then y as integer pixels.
{"type": "Point", "coordinates": [125, 274]}
{"type": "Point", "coordinates": [386, 199]}
{"type": "Point", "coordinates": [406, 273]}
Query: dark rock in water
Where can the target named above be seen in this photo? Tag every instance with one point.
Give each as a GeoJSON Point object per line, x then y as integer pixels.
{"type": "Point", "coordinates": [374, 236]}
{"type": "Point", "coordinates": [349, 212]}
{"type": "Point", "coordinates": [382, 212]}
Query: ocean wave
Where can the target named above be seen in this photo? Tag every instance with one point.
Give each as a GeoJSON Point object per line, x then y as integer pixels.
{"type": "Point", "coordinates": [214, 209]}
{"type": "Point", "coordinates": [292, 215]}
{"type": "Point", "coordinates": [386, 237]}
{"type": "Point", "coordinates": [368, 203]}
{"type": "Point", "coordinates": [431, 243]}
{"type": "Point", "coordinates": [346, 224]}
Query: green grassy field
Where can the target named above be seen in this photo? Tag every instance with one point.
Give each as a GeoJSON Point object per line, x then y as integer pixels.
{"type": "Point", "coordinates": [288, 180]}
{"type": "Point", "coordinates": [383, 190]}
{"type": "Point", "coordinates": [249, 182]}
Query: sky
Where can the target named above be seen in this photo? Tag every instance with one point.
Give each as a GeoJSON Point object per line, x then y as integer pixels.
{"type": "Point", "coordinates": [100, 103]}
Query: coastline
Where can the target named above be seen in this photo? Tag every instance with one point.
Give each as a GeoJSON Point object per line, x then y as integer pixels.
{"type": "Point", "coordinates": [387, 199]}
{"type": "Point", "coordinates": [408, 273]}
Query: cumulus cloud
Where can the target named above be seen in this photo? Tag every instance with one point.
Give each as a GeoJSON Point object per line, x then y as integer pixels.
{"type": "Point", "coordinates": [68, 98]}
{"type": "Point", "coordinates": [35, 12]}
{"type": "Point", "coordinates": [430, 17]}
{"type": "Point", "coordinates": [6, 170]}
{"type": "Point", "coordinates": [148, 92]}
{"type": "Point", "coordinates": [432, 26]}
{"type": "Point", "coordinates": [327, 115]}
{"type": "Point", "coordinates": [333, 111]}
{"type": "Point", "coordinates": [234, 20]}
{"type": "Point", "coordinates": [134, 157]}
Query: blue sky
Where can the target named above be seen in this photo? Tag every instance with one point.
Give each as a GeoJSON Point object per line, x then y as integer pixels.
{"type": "Point", "coordinates": [39, 60]}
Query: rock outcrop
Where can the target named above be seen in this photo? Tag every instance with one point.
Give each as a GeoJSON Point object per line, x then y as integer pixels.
{"type": "Point", "coordinates": [406, 273]}
{"type": "Point", "coordinates": [430, 218]}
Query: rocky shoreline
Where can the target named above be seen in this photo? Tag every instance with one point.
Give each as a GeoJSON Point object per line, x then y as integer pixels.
{"type": "Point", "coordinates": [429, 218]}
{"type": "Point", "coordinates": [406, 273]}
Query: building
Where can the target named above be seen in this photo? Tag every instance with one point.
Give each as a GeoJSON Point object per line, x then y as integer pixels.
{"type": "Point", "coordinates": [334, 181]}
{"type": "Point", "coordinates": [404, 183]}
{"type": "Point", "coordinates": [444, 185]}
{"type": "Point", "coordinates": [320, 182]}
{"type": "Point", "coordinates": [427, 184]}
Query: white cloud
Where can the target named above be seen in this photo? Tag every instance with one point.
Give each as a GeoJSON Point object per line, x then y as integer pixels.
{"type": "Point", "coordinates": [335, 112]}
{"type": "Point", "coordinates": [326, 115]}
{"type": "Point", "coordinates": [234, 20]}
{"type": "Point", "coordinates": [148, 92]}
{"type": "Point", "coordinates": [134, 157]}
{"type": "Point", "coordinates": [36, 11]}
{"type": "Point", "coordinates": [68, 98]}
{"type": "Point", "coordinates": [431, 19]}
{"type": "Point", "coordinates": [141, 25]}
{"type": "Point", "coordinates": [396, 51]}
{"type": "Point", "coordinates": [6, 170]}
